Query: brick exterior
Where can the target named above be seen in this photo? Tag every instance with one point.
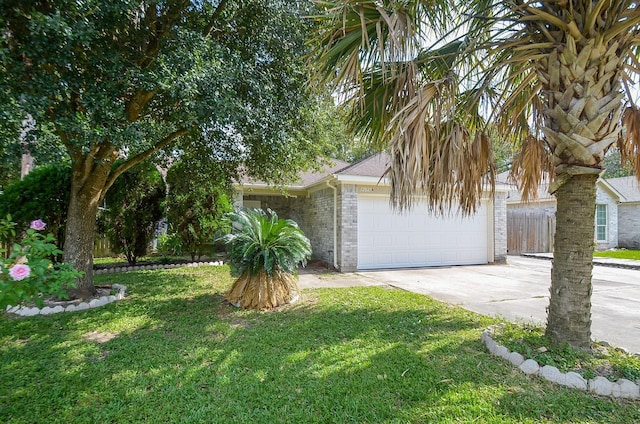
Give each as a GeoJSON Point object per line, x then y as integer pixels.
{"type": "Point", "coordinates": [604, 197]}
{"type": "Point", "coordinates": [629, 225]}
{"type": "Point", "coordinates": [314, 215]}
{"type": "Point", "coordinates": [500, 227]}
{"type": "Point", "coordinates": [348, 225]}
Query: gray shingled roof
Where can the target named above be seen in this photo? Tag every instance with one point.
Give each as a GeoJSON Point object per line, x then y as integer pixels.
{"type": "Point", "coordinates": [308, 178]}
{"type": "Point", "coordinates": [373, 166]}
{"type": "Point", "coordinates": [627, 186]}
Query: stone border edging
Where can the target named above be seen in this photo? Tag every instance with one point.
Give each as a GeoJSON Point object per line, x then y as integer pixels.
{"type": "Point", "coordinates": [126, 268]}
{"type": "Point", "coordinates": [622, 388]}
{"type": "Point", "coordinates": [26, 311]}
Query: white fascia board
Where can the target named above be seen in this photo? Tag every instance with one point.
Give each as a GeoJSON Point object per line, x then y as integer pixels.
{"type": "Point", "coordinates": [264, 189]}
{"type": "Point", "coordinates": [356, 179]}
{"type": "Point", "coordinates": [605, 184]}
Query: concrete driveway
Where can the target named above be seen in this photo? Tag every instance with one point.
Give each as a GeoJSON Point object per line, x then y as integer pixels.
{"type": "Point", "coordinates": [516, 291]}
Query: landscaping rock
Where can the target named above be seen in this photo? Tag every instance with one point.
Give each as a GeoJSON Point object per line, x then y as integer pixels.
{"type": "Point", "coordinates": [552, 374]}
{"type": "Point", "coordinates": [516, 359]}
{"type": "Point", "coordinates": [491, 345]}
{"type": "Point", "coordinates": [13, 309]}
{"type": "Point", "coordinates": [29, 312]}
{"type": "Point", "coordinates": [82, 306]}
{"type": "Point", "coordinates": [95, 303]}
{"type": "Point", "coordinates": [575, 381]}
{"type": "Point", "coordinates": [601, 386]}
{"type": "Point", "coordinates": [625, 389]}
{"type": "Point", "coordinates": [529, 367]}
{"type": "Point", "coordinates": [71, 308]}
{"type": "Point", "coordinates": [502, 352]}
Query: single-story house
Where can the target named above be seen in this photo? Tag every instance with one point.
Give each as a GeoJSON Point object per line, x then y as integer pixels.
{"type": "Point", "coordinates": [531, 225]}
{"type": "Point", "coordinates": [345, 212]}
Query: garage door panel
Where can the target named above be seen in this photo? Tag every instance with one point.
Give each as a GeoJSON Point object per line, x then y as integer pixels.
{"type": "Point", "coordinates": [418, 238]}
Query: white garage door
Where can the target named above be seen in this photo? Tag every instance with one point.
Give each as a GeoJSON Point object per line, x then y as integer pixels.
{"type": "Point", "coordinates": [389, 239]}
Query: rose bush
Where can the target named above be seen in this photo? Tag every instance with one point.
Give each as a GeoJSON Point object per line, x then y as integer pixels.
{"type": "Point", "coordinates": [27, 273]}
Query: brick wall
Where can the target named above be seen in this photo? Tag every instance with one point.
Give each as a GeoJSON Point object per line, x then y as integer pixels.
{"type": "Point", "coordinates": [317, 223]}
{"type": "Point", "coordinates": [629, 225]}
{"type": "Point", "coordinates": [500, 227]}
{"type": "Point", "coordinates": [348, 228]}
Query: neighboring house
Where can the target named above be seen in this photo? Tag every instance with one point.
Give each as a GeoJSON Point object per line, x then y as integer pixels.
{"type": "Point", "coordinates": [628, 211]}
{"type": "Point", "coordinates": [531, 225]}
{"type": "Point", "coordinates": [345, 212]}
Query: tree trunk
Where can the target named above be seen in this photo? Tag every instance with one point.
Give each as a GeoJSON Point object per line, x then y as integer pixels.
{"type": "Point", "coordinates": [569, 312]}
{"type": "Point", "coordinates": [87, 186]}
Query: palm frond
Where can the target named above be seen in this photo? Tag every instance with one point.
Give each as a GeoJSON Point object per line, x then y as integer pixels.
{"type": "Point", "coordinates": [629, 144]}
{"type": "Point", "coordinates": [261, 242]}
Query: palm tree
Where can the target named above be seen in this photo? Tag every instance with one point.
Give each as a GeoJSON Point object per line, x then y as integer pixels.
{"type": "Point", "coordinates": [428, 79]}
{"type": "Point", "coordinates": [264, 252]}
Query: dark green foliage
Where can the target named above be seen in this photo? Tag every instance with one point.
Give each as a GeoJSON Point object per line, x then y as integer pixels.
{"type": "Point", "coordinates": [42, 194]}
{"type": "Point", "coordinates": [613, 165]}
{"type": "Point", "coordinates": [130, 78]}
{"type": "Point", "coordinates": [134, 205]}
{"type": "Point", "coordinates": [259, 241]}
{"type": "Point", "coordinates": [195, 205]}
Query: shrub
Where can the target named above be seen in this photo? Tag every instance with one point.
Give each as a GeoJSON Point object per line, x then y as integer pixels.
{"type": "Point", "coordinates": [42, 194]}
{"type": "Point", "coordinates": [264, 252]}
{"type": "Point", "coordinates": [134, 205]}
{"type": "Point", "coordinates": [195, 207]}
{"type": "Point", "coordinates": [27, 273]}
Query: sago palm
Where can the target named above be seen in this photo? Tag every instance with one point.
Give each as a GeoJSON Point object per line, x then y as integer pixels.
{"type": "Point", "coordinates": [429, 80]}
{"type": "Point", "coordinates": [264, 252]}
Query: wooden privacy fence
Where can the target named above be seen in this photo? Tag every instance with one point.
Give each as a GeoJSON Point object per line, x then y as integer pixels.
{"type": "Point", "coordinates": [102, 248]}
{"type": "Point", "coordinates": [530, 231]}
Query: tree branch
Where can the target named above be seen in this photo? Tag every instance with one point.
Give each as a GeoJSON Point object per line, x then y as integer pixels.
{"type": "Point", "coordinates": [216, 14]}
{"type": "Point", "coordinates": [138, 101]}
{"type": "Point", "coordinates": [142, 156]}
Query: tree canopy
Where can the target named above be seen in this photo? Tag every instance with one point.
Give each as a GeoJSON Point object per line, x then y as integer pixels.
{"type": "Point", "coordinates": [125, 79]}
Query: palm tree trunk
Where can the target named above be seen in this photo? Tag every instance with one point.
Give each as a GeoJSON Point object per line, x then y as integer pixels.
{"type": "Point", "coordinates": [569, 312]}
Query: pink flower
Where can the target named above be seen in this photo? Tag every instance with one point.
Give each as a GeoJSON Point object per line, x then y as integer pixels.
{"type": "Point", "coordinates": [37, 225]}
{"type": "Point", "coordinates": [20, 272]}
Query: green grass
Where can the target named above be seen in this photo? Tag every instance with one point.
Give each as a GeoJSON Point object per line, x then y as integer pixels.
{"type": "Point", "coordinates": [618, 254]}
{"type": "Point", "coordinates": [174, 351]}
{"type": "Point", "coordinates": [603, 360]}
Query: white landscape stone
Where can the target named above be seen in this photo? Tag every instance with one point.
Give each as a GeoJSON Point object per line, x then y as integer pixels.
{"type": "Point", "coordinates": [575, 381]}
{"type": "Point", "coordinates": [516, 359]}
{"type": "Point", "coordinates": [552, 374]}
{"type": "Point", "coordinates": [111, 298]}
{"type": "Point", "coordinates": [601, 386]}
{"type": "Point", "coordinates": [29, 312]}
{"type": "Point", "coordinates": [95, 303]}
{"type": "Point", "coordinates": [529, 367]}
{"type": "Point", "coordinates": [46, 310]}
{"type": "Point", "coordinates": [71, 308]}
{"type": "Point", "coordinates": [82, 306]}
{"type": "Point", "coordinates": [13, 309]}
{"type": "Point", "coordinates": [491, 345]}
{"type": "Point", "coordinates": [502, 352]}
{"type": "Point", "coordinates": [625, 389]}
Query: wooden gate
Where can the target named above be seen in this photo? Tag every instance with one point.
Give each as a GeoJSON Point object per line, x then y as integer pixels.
{"type": "Point", "coordinates": [530, 231]}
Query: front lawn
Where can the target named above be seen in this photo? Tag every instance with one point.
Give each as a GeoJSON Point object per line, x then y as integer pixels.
{"type": "Point", "coordinates": [174, 351]}
{"type": "Point", "coordinates": [618, 254]}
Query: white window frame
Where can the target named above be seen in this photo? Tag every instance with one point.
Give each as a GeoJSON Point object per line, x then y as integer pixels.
{"type": "Point", "coordinates": [601, 206]}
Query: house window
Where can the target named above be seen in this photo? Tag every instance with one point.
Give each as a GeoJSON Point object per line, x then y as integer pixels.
{"type": "Point", "coordinates": [601, 223]}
